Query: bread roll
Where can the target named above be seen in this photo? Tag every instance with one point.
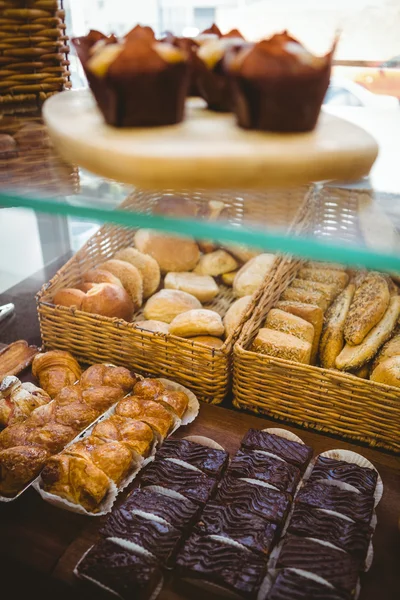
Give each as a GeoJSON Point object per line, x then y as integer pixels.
{"type": "Point", "coordinates": [309, 312]}
{"type": "Point", "coordinates": [305, 296]}
{"type": "Point", "coordinates": [69, 297]}
{"type": "Point", "coordinates": [249, 278]}
{"type": "Point", "coordinates": [147, 267]}
{"type": "Point", "coordinates": [165, 305]}
{"type": "Point", "coordinates": [288, 323]}
{"type": "Point", "coordinates": [329, 290]}
{"type": "Point", "coordinates": [85, 286]}
{"type": "Point", "coordinates": [242, 252]}
{"type": "Point", "coordinates": [208, 340]}
{"type": "Point", "coordinates": [207, 246]}
{"type": "Point", "coordinates": [108, 300]}
{"type": "Point", "coordinates": [202, 287]}
{"type": "Point", "coordinates": [172, 253]}
{"type": "Point", "coordinates": [340, 278]}
{"type": "Point", "coordinates": [100, 276]}
{"type": "Point", "coordinates": [130, 278]}
{"type": "Point", "coordinates": [216, 263]}
{"type": "Point", "coordinates": [228, 278]}
{"type": "Point", "coordinates": [354, 357]}
{"type": "Point", "coordinates": [370, 302]}
{"type": "Point", "coordinates": [388, 372]}
{"type": "Point", "coordinates": [152, 325]}
{"type": "Point", "coordinates": [391, 348]}
{"type": "Point", "coordinates": [235, 313]}
{"type": "Point", "coordinates": [197, 322]}
{"type": "Point", "coordinates": [332, 339]}
{"type": "Point", "coordinates": [282, 345]}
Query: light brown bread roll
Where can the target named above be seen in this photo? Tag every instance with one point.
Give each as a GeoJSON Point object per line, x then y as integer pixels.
{"type": "Point", "coordinates": [130, 278]}
{"type": "Point", "coordinates": [172, 253]}
{"type": "Point", "coordinates": [216, 263]}
{"type": "Point", "coordinates": [332, 339]}
{"type": "Point", "coordinates": [288, 323]}
{"type": "Point", "coordinates": [197, 322]}
{"type": "Point", "coordinates": [368, 306]}
{"type": "Point", "coordinates": [100, 276]}
{"type": "Point", "coordinates": [282, 345]}
{"type": "Point", "coordinates": [69, 297]}
{"type": "Point", "coordinates": [305, 296]}
{"type": "Point", "coordinates": [309, 312]}
{"type": "Point", "coordinates": [165, 305]}
{"type": "Point", "coordinates": [202, 287]}
{"type": "Point", "coordinates": [208, 340]}
{"type": "Point", "coordinates": [354, 357]}
{"type": "Point", "coordinates": [249, 278]}
{"type": "Point", "coordinates": [147, 267]}
{"type": "Point", "coordinates": [228, 278]}
{"type": "Point", "coordinates": [341, 278]}
{"type": "Point", "coordinates": [329, 290]}
{"type": "Point", "coordinates": [388, 372]}
{"type": "Point", "coordinates": [235, 313]}
{"type": "Point", "coordinates": [108, 300]}
{"type": "Point", "coordinates": [152, 325]}
{"type": "Point", "coordinates": [391, 348]}
{"type": "Point", "coordinates": [242, 252]}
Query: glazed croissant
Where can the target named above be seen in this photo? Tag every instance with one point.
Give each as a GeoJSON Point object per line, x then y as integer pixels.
{"type": "Point", "coordinates": [149, 388]}
{"type": "Point", "coordinates": [152, 389]}
{"type": "Point", "coordinates": [18, 400]}
{"type": "Point", "coordinates": [109, 376]}
{"type": "Point", "coordinates": [55, 370]}
{"type": "Point", "coordinates": [137, 435]}
{"type": "Point", "coordinates": [152, 413]}
{"type": "Point", "coordinates": [18, 466]}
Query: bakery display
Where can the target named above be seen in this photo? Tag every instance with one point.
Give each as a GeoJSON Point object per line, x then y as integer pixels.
{"type": "Point", "coordinates": [16, 357]}
{"type": "Point", "coordinates": [18, 400]}
{"type": "Point", "coordinates": [54, 370]}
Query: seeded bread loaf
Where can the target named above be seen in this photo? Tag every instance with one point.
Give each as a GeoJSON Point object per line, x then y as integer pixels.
{"type": "Point", "coordinates": [305, 296]}
{"type": "Point", "coordinates": [369, 304]}
{"type": "Point", "coordinates": [309, 312]}
{"type": "Point", "coordinates": [288, 323]}
{"type": "Point", "coordinates": [282, 345]}
{"type": "Point", "coordinates": [332, 339]}
{"type": "Point", "coordinates": [341, 278]}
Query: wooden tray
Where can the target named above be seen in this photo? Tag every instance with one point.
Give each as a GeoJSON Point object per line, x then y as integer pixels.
{"type": "Point", "coordinates": [42, 538]}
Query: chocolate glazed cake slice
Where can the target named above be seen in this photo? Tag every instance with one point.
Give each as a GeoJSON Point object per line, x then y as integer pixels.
{"type": "Point", "coordinates": [292, 452]}
{"type": "Point", "coordinates": [294, 584]}
{"type": "Point", "coordinates": [210, 461]}
{"type": "Point", "coordinates": [362, 478]}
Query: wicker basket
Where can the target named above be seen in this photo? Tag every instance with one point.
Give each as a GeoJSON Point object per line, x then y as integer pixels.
{"type": "Point", "coordinates": [33, 54]}
{"type": "Point", "coordinates": [322, 399]}
{"type": "Point", "coordinates": [94, 338]}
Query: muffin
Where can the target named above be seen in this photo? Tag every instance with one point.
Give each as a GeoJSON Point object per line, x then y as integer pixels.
{"type": "Point", "coordinates": [278, 85]}
{"type": "Point", "coordinates": [137, 81]}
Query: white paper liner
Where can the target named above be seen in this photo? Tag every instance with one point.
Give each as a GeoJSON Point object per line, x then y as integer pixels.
{"type": "Point", "coordinates": [60, 502]}
{"type": "Point", "coordinates": [204, 441]}
{"type": "Point", "coordinates": [194, 406]}
{"type": "Point", "coordinates": [357, 459]}
{"type": "Point", "coordinates": [284, 433]}
{"type": "Point", "coordinates": [265, 587]}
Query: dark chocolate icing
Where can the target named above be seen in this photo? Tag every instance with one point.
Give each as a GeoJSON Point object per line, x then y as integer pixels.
{"type": "Point", "coordinates": [256, 465]}
{"type": "Point", "coordinates": [192, 484]}
{"type": "Point", "coordinates": [311, 522]}
{"type": "Point", "coordinates": [362, 478]}
{"type": "Point", "coordinates": [353, 505]}
{"type": "Point", "coordinates": [293, 452]}
{"type": "Point", "coordinates": [253, 499]}
{"type": "Point", "coordinates": [209, 460]}
{"type": "Point", "coordinates": [180, 513]}
{"type": "Point", "coordinates": [336, 566]}
{"type": "Point", "coordinates": [161, 539]}
{"type": "Point", "coordinates": [253, 532]}
{"type": "Point", "coordinates": [289, 585]}
{"type": "Point", "coordinates": [223, 564]}
{"type": "Point", "coordinates": [126, 573]}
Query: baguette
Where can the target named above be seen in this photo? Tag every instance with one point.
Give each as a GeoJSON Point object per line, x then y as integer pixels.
{"type": "Point", "coordinates": [341, 278]}
{"type": "Point", "coordinates": [370, 302]}
{"type": "Point", "coordinates": [309, 312]}
{"type": "Point", "coordinates": [332, 339]}
{"type": "Point", "coordinates": [391, 348]}
{"type": "Point", "coordinates": [354, 357]}
{"type": "Point", "coordinates": [305, 296]}
{"type": "Point", "coordinates": [282, 345]}
{"type": "Point", "coordinates": [388, 372]}
{"type": "Point", "coordinates": [288, 323]}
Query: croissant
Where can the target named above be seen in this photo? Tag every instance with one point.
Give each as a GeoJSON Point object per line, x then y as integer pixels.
{"type": "Point", "coordinates": [18, 400]}
{"type": "Point", "coordinates": [108, 375]}
{"type": "Point", "coordinates": [14, 435]}
{"type": "Point", "coordinates": [152, 413]}
{"type": "Point", "coordinates": [75, 479]}
{"type": "Point", "coordinates": [177, 402]}
{"type": "Point", "coordinates": [18, 466]}
{"type": "Point", "coordinates": [52, 437]}
{"type": "Point", "coordinates": [137, 435]}
{"type": "Point", "coordinates": [149, 388]}
{"type": "Point", "coordinates": [113, 458]}
{"type": "Point", "coordinates": [55, 370]}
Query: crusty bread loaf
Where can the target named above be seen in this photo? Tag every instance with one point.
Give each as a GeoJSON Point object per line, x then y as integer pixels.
{"type": "Point", "coordinates": [369, 304]}
{"type": "Point", "coordinates": [354, 357]}
{"type": "Point", "coordinates": [309, 312]}
{"type": "Point", "coordinates": [391, 348]}
{"type": "Point", "coordinates": [197, 322]}
{"type": "Point", "coordinates": [147, 267]}
{"type": "Point", "coordinates": [288, 323]}
{"type": "Point", "coordinates": [388, 372]}
{"type": "Point", "coordinates": [249, 277]}
{"type": "Point", "coordinates": [130, 278]}
{"type": "Point", "coordinates": [235, 313]}
{"type": "Point", "coordinates": [202, 287]}
{"type": "Point", "coordinates": [329, 290]}
{"type": "Point", "coordinates": [305, 296]}
{"type": "Point", "coordinates": [165, 305]}
{"type": "Point", "coordinates": [173, 253]}
{"type": "Point", "coordinates": [216, 263]}
{"type": "Point", "coordinates": [332, 338]}
{"type": "Point", "coordinates": [282, 345]}
{"type": "Point", "coordinates": [341, 278]}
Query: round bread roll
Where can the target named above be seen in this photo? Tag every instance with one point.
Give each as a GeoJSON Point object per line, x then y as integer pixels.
{"type": "Point", "coordinates": [86, 286]}
{"type": "Point", "coordinates": [197, 322]}
{"type": "Point", "coordinates": [216, 263]}
{"type": "Point", "coordinates": [152, 325]}
{"type": "Point", "coordinates": [175, 206]}
{"type": "Point", "coordinates": [235, 313]}
{"type": "Point", "coordinates": [171, 252]}
{"type": "Point", "coordinates": [130, 278]}
{"type": "Point", "coordinates": [108, 300]}
{"type": "Point", "coordinates": [242, 252]}
{"type": "Point", "coordinates": [229, 278]}
{"type": "Point", "coordinates": [388, 372]}
{"type": "Point", "coordinates": [69, 297]}
{"type": "Point", "coordinates": [100, 276]}
{"type": "Point", "coordinates": [167, 304]}
{"type": "Point", "coordinates": [252, 274]}
{"type": "Point", "coordinates": [147, 267]}
{"type": "Point", "coordinates": [208, 340]}
{"type": "Point", "coordinates": [202, 287]}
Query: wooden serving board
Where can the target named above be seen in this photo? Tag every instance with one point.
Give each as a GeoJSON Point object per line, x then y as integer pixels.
{"type": "Point", "coordinates": [37, 538]}
{"type": "Point", "coordinates": [206, 150]}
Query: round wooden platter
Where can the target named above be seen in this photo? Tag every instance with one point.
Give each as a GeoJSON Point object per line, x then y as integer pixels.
{"type": "Point", "coordinates": [206, 150]}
